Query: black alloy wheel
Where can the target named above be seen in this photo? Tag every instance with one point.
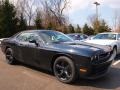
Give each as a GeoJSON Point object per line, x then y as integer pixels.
{"type": "Point", "coordinates": [64, 69]}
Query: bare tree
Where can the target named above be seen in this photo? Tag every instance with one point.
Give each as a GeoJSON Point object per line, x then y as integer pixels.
{"type": "Point", "coordinates": [54, 11]}
{"type": "Point", "coordinates": [57, 9]}
{"type": "Point", "coordinates": [30, 10]}
{"type": "Point", "coordinates": [99, 25]}
{"type": "Point", "coordinates": [94, 22]}
{"type": "Point", "coordinates": [27, 8]}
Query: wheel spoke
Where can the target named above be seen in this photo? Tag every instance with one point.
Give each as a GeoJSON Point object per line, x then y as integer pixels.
{"type": "Point", "coordinates": [67, 75]}
{"type": "Point", "coordinates": [67, 71]}
{"type": "Point", "coordinates": [59, 66]}
{"type": "Point", "coordinates": [61, 73]}
{"type": "Point", "coordinates": [62, 63]}
{"type": "Point", "coordinates": [67, 67]}
{"type": "Point", "coordinates": [8, 55]}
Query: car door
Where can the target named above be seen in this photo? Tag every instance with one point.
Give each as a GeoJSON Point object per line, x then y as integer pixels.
{"type": "Point", "coordinates": [28, 52]}
{"type": "Point", "coordinates": [24, 49]}
{"type": "Point", "coordinates": [37, 53]}
{"type": "Point", "coordinates": [32, 48]}
{"type": "Point", "coordinates": [21, 44]}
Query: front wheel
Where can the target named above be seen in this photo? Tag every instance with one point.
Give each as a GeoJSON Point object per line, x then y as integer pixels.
{"type": "Point", "coordinates": [64, 69]}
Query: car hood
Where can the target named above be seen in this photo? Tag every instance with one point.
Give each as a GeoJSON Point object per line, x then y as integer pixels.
{"type": "Point", "coordinates": [100, 42]}
{"type": "Point", "coordinates": [81, 48]}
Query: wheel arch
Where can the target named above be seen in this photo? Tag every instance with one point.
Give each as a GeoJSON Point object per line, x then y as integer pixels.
{"type": "Point", "coordinates": [115, 46]}
{"type": "Point", "coordinates": [6, 48]}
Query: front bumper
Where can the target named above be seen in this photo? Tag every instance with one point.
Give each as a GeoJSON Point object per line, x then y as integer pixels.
{"type": "Point", "coordinates": [94, 71]}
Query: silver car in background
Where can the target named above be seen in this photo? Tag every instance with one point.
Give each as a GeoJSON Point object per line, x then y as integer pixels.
{"type": "Point", "coordinates": [111, 39]}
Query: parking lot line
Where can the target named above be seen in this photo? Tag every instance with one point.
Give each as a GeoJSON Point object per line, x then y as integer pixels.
{"type": "Point", "coordinates": [115, 63]}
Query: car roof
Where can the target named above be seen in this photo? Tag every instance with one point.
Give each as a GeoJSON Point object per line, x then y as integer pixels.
{"type": "Point", "coordinates": [109, 33]}
{"type": "Point", "coordinates": [75, 34]}
{"type": "Point", "coordinates": [35, 31]}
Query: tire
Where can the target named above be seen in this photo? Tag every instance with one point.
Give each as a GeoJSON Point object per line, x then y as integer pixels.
{"type": "Point", "coordinates": [64, 69]}
{"type": "Point", "coordinates": [9, 56]}
{"type": "Point", "coordinates": [114, 52]}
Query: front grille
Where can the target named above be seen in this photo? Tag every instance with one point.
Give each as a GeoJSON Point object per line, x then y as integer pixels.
{"type": "Point", "coordinates": [101, 58]}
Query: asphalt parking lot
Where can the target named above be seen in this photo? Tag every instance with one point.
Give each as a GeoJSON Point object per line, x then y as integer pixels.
{"type": "Point", "coordinates": [23, 77]}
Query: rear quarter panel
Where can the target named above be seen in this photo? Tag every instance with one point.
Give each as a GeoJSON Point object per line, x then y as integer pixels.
{"type": "Point", "coordinates": [7, 43]}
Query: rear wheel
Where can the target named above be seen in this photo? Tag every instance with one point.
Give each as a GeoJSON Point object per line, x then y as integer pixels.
{"type": "Point", "coordinates": [9, 56]}
{"type": "Point", "coordinates": [64, 69]}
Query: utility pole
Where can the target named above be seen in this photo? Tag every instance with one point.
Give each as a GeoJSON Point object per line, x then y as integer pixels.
{"type": "Point", "coordinates": [97, 19]}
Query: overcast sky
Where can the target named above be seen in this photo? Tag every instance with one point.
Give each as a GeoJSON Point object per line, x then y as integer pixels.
{"type": "Point", "coordinates": [80, 10]}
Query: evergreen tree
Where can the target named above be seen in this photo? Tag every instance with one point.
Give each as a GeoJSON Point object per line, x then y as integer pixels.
{"type": "Point", "coordinates": [50, 26]}
{"type": "Point", "coordinates": [88, 30]}
{"type": "Point", "coordinates": [78, 29]}
{"type": "Point", "coordinates": [22, 23]}
{"type": "Point", "coordinates": [100, 26]}
{"type": "Point", "coordinates": [103, 27]}
{"type": "Point", "coordinates": [65, 30]}
{"type": "Point", "coordinates": [38, 22]}
{"type": "Point", "coordinates": [9, 20]}
{"type": "Point", "coordinates": [1, 18]}
{"type": "Point", "coordinates": [71, 29]}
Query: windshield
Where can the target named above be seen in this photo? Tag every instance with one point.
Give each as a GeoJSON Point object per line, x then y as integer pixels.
{"type": "Point", "coordinates": [51, 36]}
{"type": "Point", "coordinates": [105, 36]}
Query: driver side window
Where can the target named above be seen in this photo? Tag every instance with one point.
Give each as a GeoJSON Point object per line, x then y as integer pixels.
{"type": "Point", "coordinates": [26, 37]}
{"type": "Point", "coordinates": [22, 37]}
{"type": "Point", "coordinates": [32, 37]}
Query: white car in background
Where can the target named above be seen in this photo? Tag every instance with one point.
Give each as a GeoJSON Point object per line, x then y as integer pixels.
{"type": "Point", "coordinates": [109, 38]}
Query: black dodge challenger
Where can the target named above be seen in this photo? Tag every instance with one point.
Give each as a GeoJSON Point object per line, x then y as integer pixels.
{"type": "Point", "coordinates": [54, 51]}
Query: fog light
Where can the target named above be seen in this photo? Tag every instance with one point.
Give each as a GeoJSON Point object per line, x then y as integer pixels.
{"type": "Point", "coordinates": [83, 70]}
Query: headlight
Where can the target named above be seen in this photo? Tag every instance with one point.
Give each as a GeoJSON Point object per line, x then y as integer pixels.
{"type": "Point", "coordinates": [110, 47]}
{"type": "Point", "coordinates": [96, 57]}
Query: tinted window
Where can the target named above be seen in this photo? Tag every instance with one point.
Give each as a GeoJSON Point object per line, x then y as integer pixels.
{"type": "Point", "coordinates": [26, 37]}
{"type": "Point", "coordinates": [33, 37]}
{"type": "Point", "coordinates": [50, 36]}
{"type": "Point", "coordinates": [23, 37]}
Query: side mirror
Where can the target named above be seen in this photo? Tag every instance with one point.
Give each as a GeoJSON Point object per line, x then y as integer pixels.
{"type": "Point", "coordinates": [34, 41]}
